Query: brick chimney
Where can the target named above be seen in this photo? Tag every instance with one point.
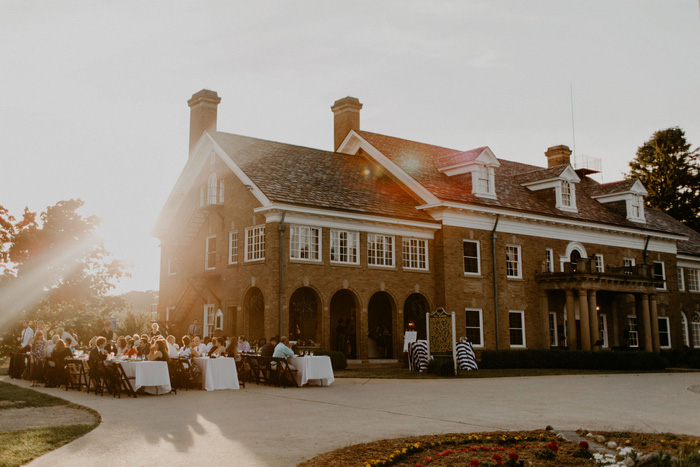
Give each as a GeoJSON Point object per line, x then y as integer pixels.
{"type": "Point", "coordinates": [203, 106]}
{"type": "Point", "coordinates": [346, 113]}
{"type": "Point", "coordinates": [558, 155]}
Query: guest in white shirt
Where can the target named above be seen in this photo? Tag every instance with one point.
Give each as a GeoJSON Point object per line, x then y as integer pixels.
{"type": "Point", "coordinates": [172, 347]}
{"type": "Point", "coordinates": [66, 337]}
{"type": "Point", "coordinates": [52, 343]}
{"type": "Point", "coordinates": [27, 336]}
{"type": "Point", "coordinates": [197, 346]}
{"type": "Point", "coordinates": [208, 343]}
{"type": "Point", "coordinates": [186, 349]}
{"type": "Point", "coordinates": [243, 345]}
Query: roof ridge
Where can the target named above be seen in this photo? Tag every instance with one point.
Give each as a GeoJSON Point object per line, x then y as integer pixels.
{"type": "Point", "coordinates": [280, 143]}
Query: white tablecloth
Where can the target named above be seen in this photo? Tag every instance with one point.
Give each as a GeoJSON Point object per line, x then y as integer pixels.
{"type": "Point", "coordinates": [218, 373]}
{"type": "Point", "coordinates": [153, 377]}
{"type": "Point", "coordinates": [317, 369]}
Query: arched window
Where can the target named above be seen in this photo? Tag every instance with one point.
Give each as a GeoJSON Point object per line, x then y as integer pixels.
{"type": "Point", "coordinates": [212, 190]}
{"type": "Point", "coordinates": [219, 320]}
{"type": "Point", "coordinates": [684, 322]}
{"type": "Point", "coordinates": [695, 326]}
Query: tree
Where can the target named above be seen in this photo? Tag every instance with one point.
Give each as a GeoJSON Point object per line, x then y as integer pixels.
{"type": "Point", "coordinates": [55, 269]}
{"type": "Point", "coordinates": [670, 171]}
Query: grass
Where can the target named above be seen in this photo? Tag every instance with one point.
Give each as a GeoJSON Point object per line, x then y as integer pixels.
{"type": "Point", "coordinates": [21, 446]}
{"type": "Point", "coordinates": [4, 365]}
{"type": "Point", "coordinates": [405, 373]}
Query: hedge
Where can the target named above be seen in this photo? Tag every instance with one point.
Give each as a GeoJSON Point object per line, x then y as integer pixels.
{"type": "Point", "coordinates": [572, 359]}
{"type": "Point", "coordinates": [689, 358]}
{"type": "Point", "coordinates": [338, 360]}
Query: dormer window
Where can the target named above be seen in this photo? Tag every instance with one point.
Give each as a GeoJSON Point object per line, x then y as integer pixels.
{"type": "Point", "coordinates": [562, 178]}
{"type": "Point", "coordinates": [480, 163]}
{"type": "Point", "coordinates": [566, 194]}
{"type": "Point", "coordinates": [485, 185]}
{"type": "Point", "coordinates": [630, 192]}
{"type": "Point", "coordinates": [635, 208]}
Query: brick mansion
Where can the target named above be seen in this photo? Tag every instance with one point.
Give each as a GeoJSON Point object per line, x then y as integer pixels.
{"type": "Point", "coordinates": [264, 238]}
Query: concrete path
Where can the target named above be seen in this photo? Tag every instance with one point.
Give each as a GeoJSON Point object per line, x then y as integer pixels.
{"type": "Point", "coordinates": [264, 426]}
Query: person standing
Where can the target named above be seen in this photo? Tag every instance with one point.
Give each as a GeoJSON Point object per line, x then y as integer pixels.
{"type": "Point", "coordinates": [27, 336]}
{"type": "Point", "coordinates": [37, 357]}
{"type": "Point", "coordinates": [195, 329]}
{"type": "Point", "coordinates": [17, 360]}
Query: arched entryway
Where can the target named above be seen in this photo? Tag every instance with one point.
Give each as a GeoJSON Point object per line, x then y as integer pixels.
{"type": "Point", "coordinates": [304, 315]}
{"type": "Point", "coordinates": [254, 305]}
{"type": "Point", "coordinates": [414, 309]}
{"type": "Point", "coordinates": [343, 328]}
{"type": "Point", "coordinates": [380, 318]}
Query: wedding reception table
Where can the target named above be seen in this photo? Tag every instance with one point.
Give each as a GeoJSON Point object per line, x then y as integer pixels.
{"type": "Point", "coordinates": [313, 370]}
{"type": "Point", "coordinates": [152, 376]}
{"type": "Point", "coordinates": [218, 373]}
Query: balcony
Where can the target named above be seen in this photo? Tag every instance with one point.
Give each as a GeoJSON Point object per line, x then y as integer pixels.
{"type": "Point", "coordinates": [583, 274]}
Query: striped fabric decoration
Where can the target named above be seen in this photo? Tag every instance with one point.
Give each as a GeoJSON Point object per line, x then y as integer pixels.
{"type": "Point", "coordinates": [418, 355]}
{"type": "Point", "coordinates": [466, 360]}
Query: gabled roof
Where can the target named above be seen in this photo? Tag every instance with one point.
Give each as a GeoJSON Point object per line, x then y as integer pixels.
{"type": "Point", "coordinates": [540, 175]}
{"type": "Point", "coordinates": [631, 185]}
{"type": "Point", "coordinates": [311, 177]}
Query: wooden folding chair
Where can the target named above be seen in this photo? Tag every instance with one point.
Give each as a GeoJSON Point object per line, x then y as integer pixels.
{"type": "Point", "coordinates": [75, 374]}
{"type": "Point", "coordinates": [124, 381]}
{"type": "Point", "coordinates": [284, 374]}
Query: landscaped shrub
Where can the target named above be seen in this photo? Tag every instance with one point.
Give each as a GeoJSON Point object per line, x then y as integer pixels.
{"type": "Point", "coordinates": [441, 366]}
{"type": "Point", "coordinates": [688, 358]}
{"type": "Point", "coordinates": [338, 360]}
{"type": "Point", "coordinates": [572, 359]}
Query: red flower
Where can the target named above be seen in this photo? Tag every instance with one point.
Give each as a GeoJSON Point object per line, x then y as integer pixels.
{"type": "Point", "coordinates": [428, 459]}
{"type": "Point", "coordinates": [474, 463]}
{"type": "Point", "coordinates": [513, 456]}
{"type": "Point", "coordinates": [583, 444]}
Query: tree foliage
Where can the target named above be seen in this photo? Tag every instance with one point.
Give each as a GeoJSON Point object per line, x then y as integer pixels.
{"type": "Point", "coordinates": [53, 268]}
{"type": "Point", "coordinates": [670, 171]}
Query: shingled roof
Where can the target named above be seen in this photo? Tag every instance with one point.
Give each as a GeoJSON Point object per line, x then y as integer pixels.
{"type": "Point", "coordinates": [310, 177]}
{"type": "Point", "coordinates": [613, 187]}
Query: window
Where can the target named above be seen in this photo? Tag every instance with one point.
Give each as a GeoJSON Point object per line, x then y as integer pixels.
{"type": "Point", "coordinates": [599, 265]}
{"type": "Point", "coordinates": [628, 264]}
{"type": "Point", "coordinates": [210, 254]}
{"type": "Point", "coordinates": [475, 326]}
{"type": "Point", "coordinates": [553, 331]}
{"type": "Point", "coordinates": [632, 336]}
{"type": "Point", "coordinates": [635, 208]}
{"type": "Point", "coordinates": [603, 330]}
{"type": "Point", "coordinates": [219, 321]}
{"type": "Point", "coordinates": [472, 263]}
{"type": "Point", "coordinates": [695, 326]}
{"type": "Point", "coordinates": [345, 247]}
{"type": "Point", "coordinates": [305, 243]}
{"type": "Point", "coordinates": [233, 247]}
{"type": "Point", "coordinates": [483, 182]}
{"type": "Point", "coordinates": [660, 274]}
{"type": "Point", "coordinates": [664, 333]}
{"type": "Point", "coordinates": [513, 261]}
{"type": "Point", "coordinates": [380, 250]}
{"type": "Point", "coordinates": [684, 322]}
{"type": "Point", "coordinates": [255, 243]}
{"type": "Point", "coordinates": [566, 194]}
{"type": "Point", "coordinates": [168, 309]}
{"type": "Point", "coordinates": [171, 269]}
{"type": "Point", "coordinates": [681, 280]}
{"type": "Point", "coordinates": [215, 191]}
{"type": "Point", "coordinates": [516, 320]}
{"type": "Point", "coordinates": [693, 280]}
{"type": "Point", "coordinates": [208, 320]}
{"type": "Point", "coordinates": [549, 260]}
{"type": "Point", "coordinates": [415, 253]}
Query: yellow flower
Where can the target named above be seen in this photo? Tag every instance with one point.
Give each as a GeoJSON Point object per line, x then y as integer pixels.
{"type": "Point", "coordinates": [627, 441]}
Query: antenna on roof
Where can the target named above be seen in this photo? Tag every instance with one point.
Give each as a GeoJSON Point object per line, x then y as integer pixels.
{"type": "Point", "coordinates": [573, 130]}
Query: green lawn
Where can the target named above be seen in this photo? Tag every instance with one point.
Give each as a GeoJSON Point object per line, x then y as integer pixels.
{"type": "Point", "coordinates": [4, 365]}
{"type": "Point", "coordinates": [21, 446]}
{"type": "Point", "coordinates": [405, 373]}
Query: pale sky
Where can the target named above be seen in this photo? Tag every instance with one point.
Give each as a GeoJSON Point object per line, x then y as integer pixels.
{"type": "Point", "coordinates": [93, 94]}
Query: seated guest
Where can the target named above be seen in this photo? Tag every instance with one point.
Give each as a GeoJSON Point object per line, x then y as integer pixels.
{"type": "Point", "coordinates": [97, 357]}
{"type": "Point", "coordinates": [61, 353]}
{"type": "Point", "coordinates": [217, 348]}
{"type": "Point", "coordinates": [51, 344]}
{"type": "Point", "coordinates": [282, 350]}
{"type": "Point", "coordinates": [186, 349]}
{"type": "Point", "coordinates": [258, 345]}
{"type": "Point", "coordinates": [269, 348]}
{"type": "Point", "coordinates": [143, 349]}
{"type": "Point", "coordinates": [92, 344]}
{"type": "Point", "coordinates": [243, 345]}
{"type": "Point", "coordinates": [159, 352]}
{"type": "Point", "coordinates": [207, 344]}
{"type": "Point", "coordinates": [130, 350]}
{"type": "Point", "coordinates": [198, 348]}
{"type": "Point", "coordinates": [37, 357]}
{"type": "Point", "coordinates": [232, 349]}
{"type": "Point", "coordinates": [172, 347]}
{"type": "Point", "coordinates": [121, 346]}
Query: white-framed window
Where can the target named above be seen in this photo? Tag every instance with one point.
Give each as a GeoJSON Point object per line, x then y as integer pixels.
{"type": "Point", "coordinates": [664, 332]}
{"type": "Point", "coordinates": [219, 320]}
{"type": "Point", "coordinates": [380, 250]}
{"type": "Point", "coordinates": [345, 247]}
{"type": "Point", "coordinates": [255, 243]}
{"type": "Point", "coordinates": [516, 322]}
{"type": "Point", "coordinates": [553, 331]}
{"type": "Point", "coordinates": [210, 253]}
{"type": "Point", "coordinates": [635, 208]}
{"type": "Point", "coordinates": [632, 333]}
{"type": "Point", "coordinates": [208, 321]}
{"type": "Point", "coordinates": [549, 260]}
{"type": "Point", "coordinates": [168, 309]}
{"type": "Point", "coordinates": [660, 274]}
{"type": "Point", "coordinates": [695, 328]}
{"type": "Point", "coordinates": [415, 253]}
{"type": "Point", "coordinates": [215, 190]}
{"type": "Point", "coordinates": [681, 280]}
{"type": "Point", "coordinates": [475, 326]}
{"type": "Point", "coordinates": [472, 261]}
{"type": "Point", "coordinates": [233, 247]}
{"type": "Point", "coordinates": [686, 334]}
{"type": "Point", "coordinates": [171, 269]}
{"type": "Point", "coordinates": [566, 193]}
{"type": "Point", "coordinates": [628, 264]}
{"type": "Point", "coordinates": [599, 265]}
{"type": "Point", "coordinates": [603, 329]}
{"type": "Point", "coordinates": [693, 280]}
{"type": "Point", "coordinates": [305, 243]}
{"type": "Point", "coordinates": [484, 182]}
{"type": "Point", "coordinates": [514, 267]}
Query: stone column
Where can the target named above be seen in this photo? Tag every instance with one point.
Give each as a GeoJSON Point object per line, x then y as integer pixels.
{"type": "Point", "coordinates": [571, 338]}
{"type": "Point", "coordinates": [326, 327]}
{"type": "Point", "coordinates": [398, 335]}
{"type": "Point", "coordinates": [585, 322]}
{"type": "Point", "coordinates": [593, 315]}
{"type": "Point", "coordinates": [544, 309]}
{"type": "Point", "coordinates": [656, 346]}
{"type": "Point", "coordinates": [615, 331]}
{"type": "Point", "coordinates": [363, 331]}
{"type": "Point", "coordinates": [646, 323]}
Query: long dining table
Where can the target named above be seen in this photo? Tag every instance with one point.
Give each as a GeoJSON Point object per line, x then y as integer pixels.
{"type": "Point", "coordinates": [218, 373]}
{"type": "Point", "coordinates": [316, 370]}
{"type": "Point", "coordinates": [152, 376]}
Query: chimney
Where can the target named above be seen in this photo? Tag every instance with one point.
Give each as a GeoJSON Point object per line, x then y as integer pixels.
{"type": "Point", "coordinates": [558, 155]}
{"type": "Point", "coordinates": [346, 113]}
{"type": "Point", "coordinates": [202, 114]}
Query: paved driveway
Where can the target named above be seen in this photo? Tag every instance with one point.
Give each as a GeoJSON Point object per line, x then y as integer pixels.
{"type": "Point", "coordinates": [264, 426]}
